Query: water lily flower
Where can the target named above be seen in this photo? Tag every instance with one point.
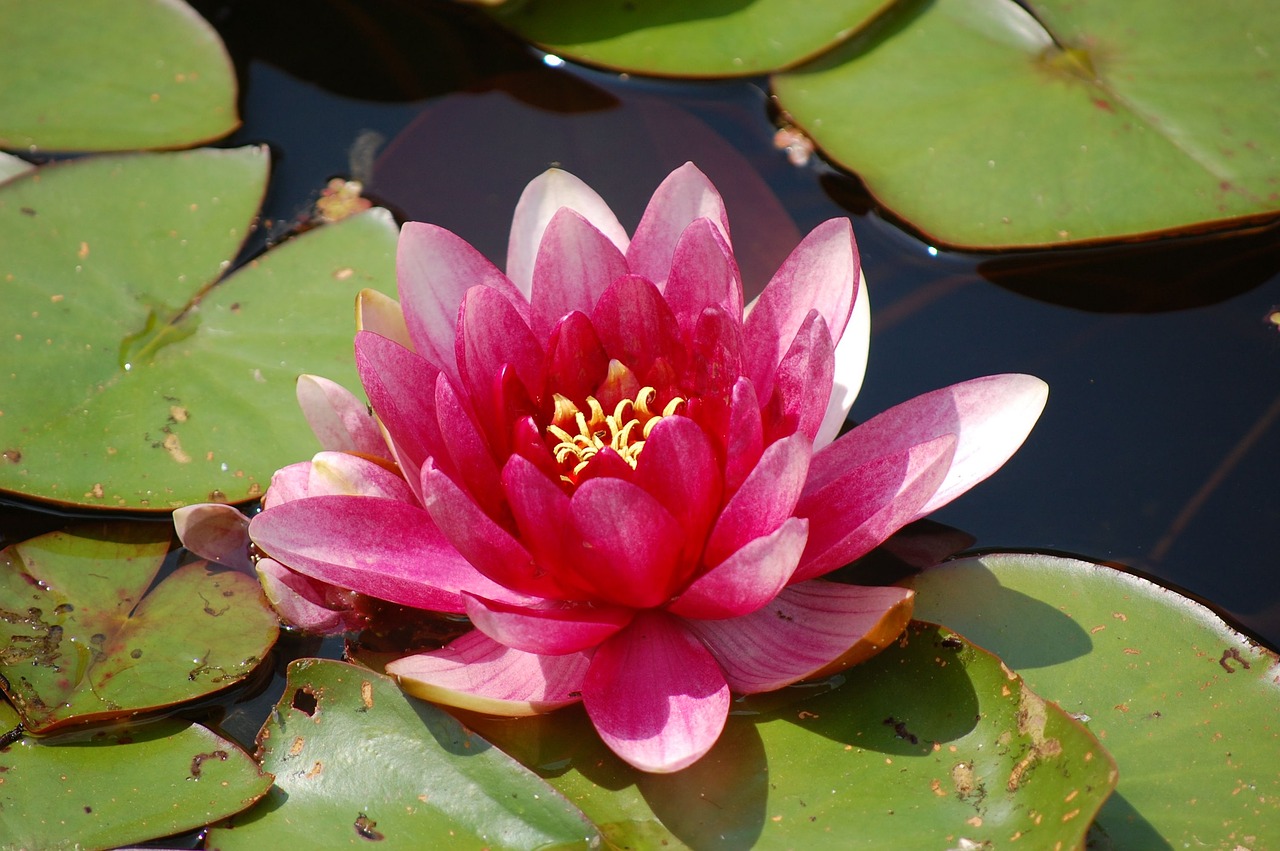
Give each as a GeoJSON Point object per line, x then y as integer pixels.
{"type": "Point", "coordinates": [624, 477]}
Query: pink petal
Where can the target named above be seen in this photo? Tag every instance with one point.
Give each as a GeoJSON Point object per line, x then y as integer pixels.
{"type": "Point", "coordinates": [287, 484]}
{"type": "Point", "coordinates": [551, 630]}
{"type": "Point", "coordinates": [491, 334]}
{"type": "Point", "coordinates": [703, 274]}
{"type": "Point", "coordinates": [381, 315]}
{"type": "Point", "coordinates": [434, 269]}
{"type": "Point", "coordinates": [466, 449]}
{"type": "Point", "coordinates": [343, 473]}
{"type": "Point", "coordinates": [766, 498]}
{"type": "Point", "coordinates": [678, 468]}
{"type": "Point", "coordinates": [990, 416]}
{"type": "Point", "coordinates": [656, 696]}
{"type": "Point", "coordinates": [745, 440]}
{"type": "Point", "coordinates": [576, 360]}
{"type": "Point", "coordinates": [300, 601]}
{"type": "Point", "coordinates": [636, 326]}
{"type": "Point", "coordinates": [821, 274]}
{"type": "Point", "coordinates": [802, 383]}
{"type": "Point", "coordinates": [748, 579]}
{"type": "Point", "coordinates": [576, 263]}
{"type": "Point", "coordinates": [338, 419]}
{"type": "Point", "coordinates": [806, 628]}
{"type": "Point", "coordinates": [630, 543]}
{"type": "Point", "coordinates": [851, 367]}
{"type": "Point", "coordinates": [685, 196]}
{"type": "Point", "coordinates": [541, 511]}
{"type": "Point", "coordinates": [857, 512]}
{"type": "Point", "coordinates": [477, 673]}
{"type": "Point", "coordinates": [378, 547]}
{"type": "Point", "coordinates": [716, 350]}
{"type": "Point", "coordinates": [541, 200]}
{"type": "Point", "coordinates": [219, 533]}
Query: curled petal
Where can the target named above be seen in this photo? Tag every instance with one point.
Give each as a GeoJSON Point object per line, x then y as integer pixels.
{"type": "Point", "coordinates": [217, 532]}
{"type": "Point", "coordinates": [748, 579]}
{"type": "Point", "coordinates": [576, 263]}
{"type": "Point", "coordinates": [551, 630]}
{"type": "Point", "coordinates": [656, 696]}
{"type": "Point", "coordinates": [382, 315]}
{"type": "Point", "coordinates": [302, 602]}
{"type": "Point", "coordinates": [851, 367]}
{"type": "Point", "coordinates": [339, 420]}
{"type": "Point", "coordinates": [343, 473]}
{"type": "Point", "coordinates": [766, 498]}
{"type": "Point", "coordinates": [541, 200]}
{"type": "Point", "coordinates": [685, 196]}
{"type": "Point", "coordinates": [287, 484]}
{"type": "Point", "coordinates": [809, 629]}
{"type": "Point", "coordinates": [475, 672]}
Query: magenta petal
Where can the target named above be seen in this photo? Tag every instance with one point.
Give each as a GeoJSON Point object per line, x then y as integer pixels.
{"type": "Point", "coordinates": [492, 334]}
{"type": "Point", "coordinates": [379, 547]}
{"type": "Point", "coordinates": [472, 467]}
{"type": "Point", "coordinates": [401, 387]}
{"type": "Point", "coordinates": [678, 468]}
{"type": "Point", "coordinates": [541, 511]}
{"type": "Point", "coordinates": [217, 532]}
{"type": "Point", "coordinates": [748, 579]}
{"type": "Point", "coordinates": [656, 696]}
{"type": "Point", "coordinates": [576, 263]}
{"type": "Point", "coordinates": [716, 349]}
{"type": "Point", "coordinates": [636, 326]}
{"type": "Point", "coordinates": [287, 484]}
{"type": "Point", "coordinates": [434, 270]}
{"type": "Point", "coordinates": [685, 196]}
{"type": "Point", "coordinates": [343, 473]}
{"type": "Point", "coordinates": [990, 416]}
{"type": "Point", "coordinates": [805, 628]}
{"type": "Point", "coordinates": [766, 498]}
{"type": "Point", "coordinates": [852, 515]}
{"type": "Point", "coordinates": [477, 673]}
{"type": "Point", "coordinates": [339, 420]}
{"type": "Point", "coordinates": [301, 601]}
{"type": "Point", "coordinates": [745, 439]}
{"type": "Point", "coordinates": [576, 360]}
{"type": "Point", "coordinates": [630, 543]}
{"type": "Point", "coordinates": [803, 381]}
{"type": "Point", "coordinates": [703, 274]}
{"type": "Point", "coordinates": [551, 630]}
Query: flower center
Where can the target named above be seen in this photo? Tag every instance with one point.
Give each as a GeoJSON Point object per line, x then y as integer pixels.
{"type": "Point", "coordinates": [624, 431]}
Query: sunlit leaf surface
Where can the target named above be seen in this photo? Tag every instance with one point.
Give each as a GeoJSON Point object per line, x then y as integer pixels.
{"type": "Point", "coordinates": [84, 634]}
{"type": "Point", "coordinates": [1189, 708]}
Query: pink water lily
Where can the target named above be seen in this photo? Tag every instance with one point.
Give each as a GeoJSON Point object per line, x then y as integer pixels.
{"type": "Point", "coordinates": [627, 481]}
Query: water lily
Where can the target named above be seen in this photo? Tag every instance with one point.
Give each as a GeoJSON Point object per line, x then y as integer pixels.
{"type": "Point", "coordinates": [627, 481]}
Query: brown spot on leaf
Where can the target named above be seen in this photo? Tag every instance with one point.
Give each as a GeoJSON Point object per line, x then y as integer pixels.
{"type": "Point", "coordinates": [1232, 653]}
{"type": "Point", "coordinates": [199, 759]}
{"type": "Point", "coordinates": [366, 695]}
{"type": "Point", "coordinates": [13, 456]}
{"type": "Point", "coordinates": [173, 446]}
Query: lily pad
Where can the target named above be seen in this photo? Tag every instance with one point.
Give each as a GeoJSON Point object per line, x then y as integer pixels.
{"type": "Point", "coordinates": [707, 38]}
{"type": "Point", "coordinates": [93, 79]}
{"type": "Point", "coordinates": [120, 786]}
{"type": "Point", "coordinates": [130, 380]}
{"type": "Point", "coordinates": [931, 744]}
{"type": "Point", "coordinates": [983, 126]}
{"type": "Point", "coordinates": [85, 636]}
{"type": "Point", "coordinates": [356, 760]}
{"type": "Point", "coordinates": [1186, 705]}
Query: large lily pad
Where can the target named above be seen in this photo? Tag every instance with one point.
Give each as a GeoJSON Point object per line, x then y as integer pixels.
{"type": "Point", "coordinates": [84, 636]}
{"type": "Point", "coordinates": [356, 760]}
{"type": "Point", "coordinates": [1189, 708]}
{"type": "Point", "coordinates": [931, 744]}
{"type": "Point", "coordinates": [89, 78]}
{"type": "Point", "coordinates": [707, 38]}
{"type": "Point", "coordinates": [119, 786]}
{"type": "Point", "coordinates": [984, 128]}
{"type": "Point", "coordinates": [129, 383]}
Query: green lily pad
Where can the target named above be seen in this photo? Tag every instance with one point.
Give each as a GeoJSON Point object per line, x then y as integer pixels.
{"type": "Point", "coordinates": [130, 382]}
{"type": "Point", "coordinates": [931, 744]}
{"type": "Point", "coordinates": [1185, 704]}
{"type": "Point", "coordinates": [93, 79]}
{"type": "Point", "coordinates": [356, 760]}
{"type": "Point", "coordinates": [85, 636]}
{"type": "Point", "coordinates": [983, 128]}
{"type": "Point", "coordinates": [708, 38]}
{"type": "Point", "coordinates": [120, 786]}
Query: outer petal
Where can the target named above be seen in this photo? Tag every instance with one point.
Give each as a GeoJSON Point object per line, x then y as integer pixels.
{"type": "Point", "coordinates": [434, 269]}
{"type": "Point", "coordinates": [287, 484]}
{"type": "Point", "coordinates": [382, 315]}
{"type": "Point", "coordinates": [748, 579]}
{"type": "Point", "coordinates": [990, 416]}
{"type": "Point", "coordinates": [300, 601]}
{"type": "Point", "coordinates": [766, 498]}
{"type": "Point", "coordinates": [810, 628]}
{"type": "Point", "coordinates": [855, 513]}
{"type": "Point", "coordinates": [538, 204]}
{"type": "Point", "coordinates": [630, 543]}
{"type": "Point", "coordinates": [656, 695]}
{"type": "Point", "coordinates": [851, 366]}
{"type": "Point", "coordinates": [477, 673]}
{"type": "Point", "coordinates": [217, 532]}
{"type": "Point", "coordinates": [685, 196]}
{"type": "Point", "coordinates": [576, 263]}
{"type": "Point", "coordinates": [340, 421]}
{"type": "Point", "coordinates": [379, 547]}
{"type": "Point", "coordinates": [551, 630]}
{"type": "Point", "coordinates": [343, 473]}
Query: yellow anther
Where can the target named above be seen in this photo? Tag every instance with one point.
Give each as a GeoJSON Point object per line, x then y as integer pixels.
{"type": "Point", "coordinates": [624, 431]}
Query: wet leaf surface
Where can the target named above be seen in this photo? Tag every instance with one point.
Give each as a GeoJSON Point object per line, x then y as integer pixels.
{"type": "Point", "coordinates": [1185, 704]}
{"type": "Point", "coordinates": [928, 745]}
{"type": "Point", "coordinates": [1089, 121]}
{"type": "Point", "coordinates": [357, 761]}
{"type": "Point", "coordinates": [131, 380]}
{"type": "Point", "coordinates": [97, 80]}
{"type": "Point", "coordinates": [119, 786]}
{"type": "Point", "coordinates": [86, 636]}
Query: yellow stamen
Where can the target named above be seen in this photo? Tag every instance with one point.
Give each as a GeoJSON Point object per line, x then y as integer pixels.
{"type": "Point", "coordinates": [624, 431]}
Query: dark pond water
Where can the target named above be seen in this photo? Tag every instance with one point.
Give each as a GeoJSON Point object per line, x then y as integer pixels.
{"type": "Point", "coordinates": [1160, 447]}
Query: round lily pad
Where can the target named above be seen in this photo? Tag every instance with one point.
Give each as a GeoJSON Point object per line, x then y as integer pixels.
{"type": "Point", "coordinates": [1189, 708]}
